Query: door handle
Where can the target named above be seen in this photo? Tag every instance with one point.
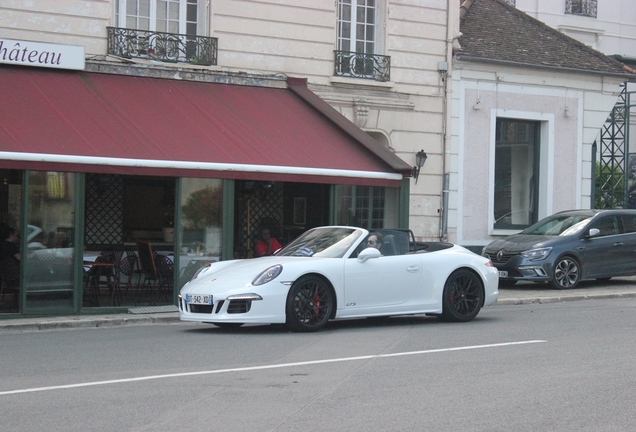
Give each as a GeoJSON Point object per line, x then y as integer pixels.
{"type": "Point", "coordinates": [413, 269]}
{"type": "Point", "coordinates": [618, 244]}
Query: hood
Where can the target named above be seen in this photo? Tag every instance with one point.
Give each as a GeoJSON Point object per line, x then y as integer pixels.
{"type": "Point", "coordinates": [522, 242]}
{"type": "Point", "coordinates": [239, 274]}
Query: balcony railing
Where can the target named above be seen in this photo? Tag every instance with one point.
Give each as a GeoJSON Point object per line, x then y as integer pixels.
{"type": "Point", "coordinates": [581, 7]}
{"type": "Point", "coordinates": [360, 65]}
{"type": "Point", "coordinates": [165, 47]}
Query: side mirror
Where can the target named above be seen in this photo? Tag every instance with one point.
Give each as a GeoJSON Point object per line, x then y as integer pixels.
{"type": "Point", "coordinates": [368, 253]}
{"type": "Point", "coordinates": [593, 232]}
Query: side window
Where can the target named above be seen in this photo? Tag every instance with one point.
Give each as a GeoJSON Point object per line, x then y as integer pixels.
{"type": "Point", "coordinates": [629, 224]}
{"type": "Point", "coordinates": [607, 226]}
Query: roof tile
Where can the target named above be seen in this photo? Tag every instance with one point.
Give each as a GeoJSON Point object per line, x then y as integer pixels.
{"type": "Point", "coordinates": [495, 31]}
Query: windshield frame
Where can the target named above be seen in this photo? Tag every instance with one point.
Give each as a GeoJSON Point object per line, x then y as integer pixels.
{"type": "Point", "coordinates": [324, 242]}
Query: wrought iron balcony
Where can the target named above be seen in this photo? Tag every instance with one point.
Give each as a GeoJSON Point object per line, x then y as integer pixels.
{"type": "Point", "coordinates": [581, 7]}
{"type": "Point", "coordinates": [360, 65]}
{"type": "Point", "coordinates": [165, 47]}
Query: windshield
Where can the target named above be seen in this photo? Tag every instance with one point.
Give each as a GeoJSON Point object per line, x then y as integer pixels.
{"type": "Point", "coordinates": [559, 225]}
{"type": "Point", "coordinates": [322, 242]}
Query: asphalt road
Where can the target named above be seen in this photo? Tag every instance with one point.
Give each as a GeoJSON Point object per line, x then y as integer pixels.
{"type": "Point", "coordinates": [562, 367]}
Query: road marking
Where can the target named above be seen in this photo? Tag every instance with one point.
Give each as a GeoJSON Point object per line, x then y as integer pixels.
{"type": "Point", "coordinates": [275, 366]}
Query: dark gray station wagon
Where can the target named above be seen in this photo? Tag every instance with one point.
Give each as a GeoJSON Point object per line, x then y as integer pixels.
{"type": "Point", "coordinates": [567, 247]}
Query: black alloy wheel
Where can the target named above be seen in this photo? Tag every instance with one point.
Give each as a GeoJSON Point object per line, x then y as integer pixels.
{"type": "Point", "coordinates": [566, 273]}
{"type": "Point", "coordinates": [463, 296]}
{"type": "Point", "coordinates": [310, 303]}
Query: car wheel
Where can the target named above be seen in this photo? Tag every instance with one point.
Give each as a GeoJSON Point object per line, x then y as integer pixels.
{"type": "Point", "coordinates": [310, 303]}
{"type": "Point", "coordinates": [228, 326]}
{"type": "Point", "coordinates": [507, 282]}
{"type": "Point", "coordinates": [566, 273]}
{"type": "Point", "coordinates": [463, 296]}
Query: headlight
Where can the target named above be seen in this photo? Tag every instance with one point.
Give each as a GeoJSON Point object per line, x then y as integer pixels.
{"type": "Point", "coordinates": [267, 275]}
{"type": "Point", "coordinates": [537, 254]}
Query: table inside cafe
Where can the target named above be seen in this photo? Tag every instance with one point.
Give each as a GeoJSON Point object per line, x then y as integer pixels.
{"type": "Point", "coordinates": [184, 258]}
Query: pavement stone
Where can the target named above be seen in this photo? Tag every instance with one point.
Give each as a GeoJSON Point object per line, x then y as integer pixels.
{"type": "Point", "coordinates": [519, 294]}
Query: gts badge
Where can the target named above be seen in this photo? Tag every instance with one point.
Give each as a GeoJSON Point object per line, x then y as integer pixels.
{"type": "Point", "coordinates": [350, 304]}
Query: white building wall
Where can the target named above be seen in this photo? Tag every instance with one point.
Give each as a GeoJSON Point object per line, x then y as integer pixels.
{"type": "Point", "coordinates": [297, 38]}
{"type": "Point", "coordinates": [566, 139]}
{"type": "Point", "coordinates": [613, 31]}
{"type": "Point", "coordinates": [69, 22]}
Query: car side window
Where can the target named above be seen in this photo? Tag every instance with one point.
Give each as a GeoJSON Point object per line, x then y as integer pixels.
{"type": "Point", "coordinates": [607, 226]}
{"type": "Point", "coordinates": [629, 223]}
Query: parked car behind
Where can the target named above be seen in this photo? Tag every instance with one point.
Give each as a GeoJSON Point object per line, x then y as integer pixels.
{"type": "Point", "coordinates": [567, 247]}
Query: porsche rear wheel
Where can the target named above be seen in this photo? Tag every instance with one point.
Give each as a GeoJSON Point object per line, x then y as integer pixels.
{"type": "Point", "coordinates": [463, 296]}
{"type": "Point", "coordinates": [310, 303]}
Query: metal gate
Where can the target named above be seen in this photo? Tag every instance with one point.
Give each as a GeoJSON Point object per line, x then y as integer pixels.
{"type": "Point", "coordinates": [615, 173]}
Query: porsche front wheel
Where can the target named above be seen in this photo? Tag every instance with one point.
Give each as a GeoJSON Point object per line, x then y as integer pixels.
{"type": "Point", "coordinates": [310, 303]}
{"type": "Point", "coordinates": [463, 296]}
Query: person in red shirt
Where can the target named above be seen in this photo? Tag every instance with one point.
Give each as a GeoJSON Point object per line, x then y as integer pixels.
{"type": "Point", "coordinates": [266, 245]}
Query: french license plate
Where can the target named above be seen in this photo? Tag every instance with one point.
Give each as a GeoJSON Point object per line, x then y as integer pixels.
{"type": "Point", "coordinates": [198, 299]}
{"type": "Point", "coordinates": [503, 274]}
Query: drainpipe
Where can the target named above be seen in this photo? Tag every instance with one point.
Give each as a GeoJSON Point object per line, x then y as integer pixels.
{"type": "Point", "coordinates": [451, 35]}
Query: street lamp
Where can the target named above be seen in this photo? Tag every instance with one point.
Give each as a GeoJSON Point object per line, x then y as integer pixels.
{"type": "Point", "coordinates": [420, 159]}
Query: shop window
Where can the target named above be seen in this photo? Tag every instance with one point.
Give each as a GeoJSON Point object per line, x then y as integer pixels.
{"type": "Point", "coordinates": [10, 219]}
{"type": "Point", "coordinates": [516, 173]}
{"type": "Point", "coordinates": [201, 225]}
{"type": "Point", "coordinates": [581, 7]}
{"type": "Point", "coordinates": [56, 185]}
{"type": "Point", "coordinates": [48, 260]}
{"type": "Point", "coordinates": [367, 207]}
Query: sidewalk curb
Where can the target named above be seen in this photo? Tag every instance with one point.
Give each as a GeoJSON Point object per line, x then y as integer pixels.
{"type": "Point", "coordinates": [546, 300]}
{"type": "Point", "coordinates": [84, 321]}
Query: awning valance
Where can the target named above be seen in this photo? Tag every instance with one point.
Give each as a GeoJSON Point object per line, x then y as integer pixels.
{"type": "Point", "coordinates": [97, 122]}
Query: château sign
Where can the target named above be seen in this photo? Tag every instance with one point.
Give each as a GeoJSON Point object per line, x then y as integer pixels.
{"type": "Point", "coordinates": [28, 53]}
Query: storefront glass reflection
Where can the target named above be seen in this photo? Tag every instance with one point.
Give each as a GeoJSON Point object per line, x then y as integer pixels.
{"type": "Point", "coordinates": [10, 254]}
{"type": "Point", "coordinates": [48, 261]}
{"type": "Point", "coordinates": [201, 225]}
{"type": "Point", "coordinates": [366, 206]}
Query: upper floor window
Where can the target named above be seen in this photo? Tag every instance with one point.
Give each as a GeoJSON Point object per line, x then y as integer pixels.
{"type": "Point", "coordinates": [581, 7]}
{"type": "Point", "coordinates": [162, 30]}
{"type": "Point", "coordinates": [357, 26]}
{"type": "Point", "coordinates": [170, 16]}
{"type": "Point", "coordinates": [360, 40]}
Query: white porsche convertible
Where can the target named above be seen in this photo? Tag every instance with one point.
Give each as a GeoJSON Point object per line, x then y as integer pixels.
{"type": "Point", "coordinates": [330, 273]}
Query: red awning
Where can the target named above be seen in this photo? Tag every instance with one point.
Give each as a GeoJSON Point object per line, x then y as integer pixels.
{"type": "Point", "coordinates": [97, 122]}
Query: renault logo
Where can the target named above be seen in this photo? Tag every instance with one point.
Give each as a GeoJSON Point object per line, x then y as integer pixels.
{"type": "Point", "coordinates": [500, 255]}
